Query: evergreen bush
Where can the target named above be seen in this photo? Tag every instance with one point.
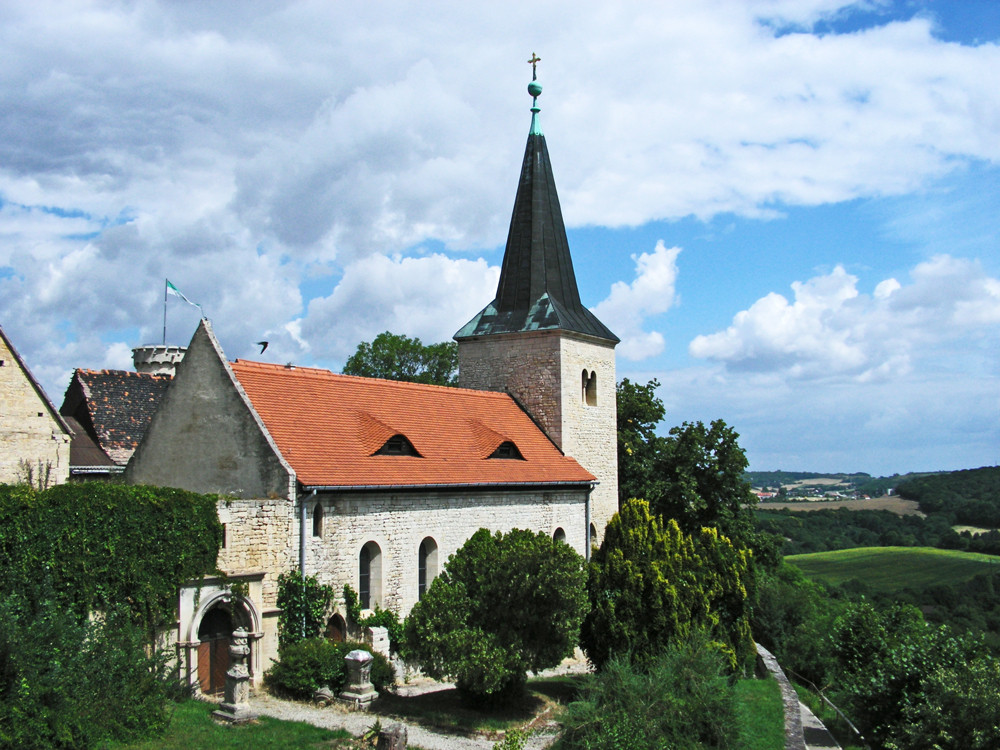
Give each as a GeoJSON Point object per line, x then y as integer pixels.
{"type": "Point", "coordinates": [679, 700]}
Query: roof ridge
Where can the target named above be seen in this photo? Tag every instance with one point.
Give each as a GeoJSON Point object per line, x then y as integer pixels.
{"type": "Point", "coordinates": [320, 372]}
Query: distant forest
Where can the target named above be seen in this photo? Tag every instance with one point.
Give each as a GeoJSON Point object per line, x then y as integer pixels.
{"type": "Point", "coordinates": [969, 497]}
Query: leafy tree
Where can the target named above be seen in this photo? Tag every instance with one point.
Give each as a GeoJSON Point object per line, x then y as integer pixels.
{"type": "Point", "coordinates": [395, 357]}
{"type": "Point", "coordinates": [639, 447]}
{"type": "Point", "coordinates": [652, 586]}
{"type": "Point", "coordinates": [694, 474]}
{"type": "Point", "coordinates": [909, 685]}
{"type": "Point", "coordinates": [702, 472]}
{"type": "Point", "coordinates": [70, 682]}
{"type": "Point", "coordinates": [303, 602]}
{"type": "Point", "coordinates": [503, 605]}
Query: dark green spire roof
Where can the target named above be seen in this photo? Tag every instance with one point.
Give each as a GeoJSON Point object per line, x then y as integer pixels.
{"type": "Point", "coordinates": [537, 289]}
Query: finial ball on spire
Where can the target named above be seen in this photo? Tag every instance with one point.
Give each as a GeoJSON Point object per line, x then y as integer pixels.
{"type": "Point", "coordinates": [534, 88]}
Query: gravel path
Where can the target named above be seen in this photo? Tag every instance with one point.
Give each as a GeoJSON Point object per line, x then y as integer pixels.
{"type": "Point", "coordinates": [358, 722]}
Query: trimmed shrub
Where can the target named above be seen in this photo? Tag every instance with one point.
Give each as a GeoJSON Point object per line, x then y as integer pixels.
{"type": "Point", "coordinates": [504, 604]}
{"type": "Point", "coordinates": [307, 665]}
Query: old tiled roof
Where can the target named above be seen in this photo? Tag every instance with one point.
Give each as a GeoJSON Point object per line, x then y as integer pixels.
{"type": "Point", "coordinates": [114, 407]}
{"type": "Point", "coordinates": [84, 453]}
{"type": "Point", "coordinates": [537, 289]}
{"type": "Point", "coordinates": [328, 427]}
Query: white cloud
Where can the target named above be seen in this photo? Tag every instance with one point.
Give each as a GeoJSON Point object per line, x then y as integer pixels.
{"type": "Point", "coordinates": [429, 298]}
{"type": "Point", "coordinates": [258, 153]}
{"type": "Point", "coordinates": [651, 293]}
{"type": "Point", "coordinates": [831, 330]}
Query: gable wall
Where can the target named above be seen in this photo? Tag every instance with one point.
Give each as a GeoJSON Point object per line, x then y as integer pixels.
{"type": "Point", "coordinates": [28, 431]}
{"type": "Point", "coordinates": [204, 437]}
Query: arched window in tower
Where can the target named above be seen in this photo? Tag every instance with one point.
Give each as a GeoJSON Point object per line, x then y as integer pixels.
{"type": "Point", "coordinates": [318, 520]}
{"type": "Point", "coordinates": [559, 535]}
{"type": "Point", "coordinates": [426, 565]}
{"type": "Point", "coordinates": [370, 576]}
{"type": "Point", "coordinates": [590, 388]}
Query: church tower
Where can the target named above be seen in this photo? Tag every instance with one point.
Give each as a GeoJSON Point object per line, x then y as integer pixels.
{"type": "Point", "coordinates": [538, 342]}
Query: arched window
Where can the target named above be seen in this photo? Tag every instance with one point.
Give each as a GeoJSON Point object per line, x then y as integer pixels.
{"type": "Point", "coordinates": [559, 535]}
{"type": "Point", "coordinates": [370, 576]}
{"type": "Point", "coordinates": [318, 520]}
{"type": "Point", "coordinates": [427, 557]}
{"type": "Point", "coordinates": [593, 536]}
{"type": "Point", "coordinates": [336, 629]}
{"type": "Point", "coordinates": [590, 388]}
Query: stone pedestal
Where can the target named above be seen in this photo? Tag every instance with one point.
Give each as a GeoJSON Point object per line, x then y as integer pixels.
{"type": "Point", "coordinates": [235, 708]}
{"type": "Point", "coordinates": [393, 737]}
{"type": "Point", "coordinates": [359, 691]}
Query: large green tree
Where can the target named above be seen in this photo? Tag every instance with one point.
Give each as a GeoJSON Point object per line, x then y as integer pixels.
{"type": "Point", "coordinates": [395, 357]}
{"type": "Point", "coordinates": [505, 604]}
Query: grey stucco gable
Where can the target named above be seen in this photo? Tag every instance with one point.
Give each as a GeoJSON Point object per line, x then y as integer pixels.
{"type": "Point", "coordinates": [206, 436]}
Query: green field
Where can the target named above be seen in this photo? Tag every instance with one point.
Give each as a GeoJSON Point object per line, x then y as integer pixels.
{"type": "Point", "coordinates": [890, 569]}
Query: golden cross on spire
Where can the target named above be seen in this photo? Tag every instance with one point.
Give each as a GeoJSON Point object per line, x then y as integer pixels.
{"type": "Point", "coordinates": [535, 59]}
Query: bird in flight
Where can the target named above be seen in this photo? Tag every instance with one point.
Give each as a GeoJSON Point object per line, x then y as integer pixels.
{"type": "Point", "coordinates": [262, 345]}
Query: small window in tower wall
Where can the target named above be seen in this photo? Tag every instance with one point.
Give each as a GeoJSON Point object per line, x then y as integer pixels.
{"type": "Point", "coordinates": [590, 388]}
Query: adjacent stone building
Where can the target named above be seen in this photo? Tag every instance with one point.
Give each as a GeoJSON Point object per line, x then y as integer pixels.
{"type": "Point", "coordinates": [108, 412]}
{"type": "Point", "coordinates": [374, 483]}
{"type": "Point", "coordinates": [34, 439]}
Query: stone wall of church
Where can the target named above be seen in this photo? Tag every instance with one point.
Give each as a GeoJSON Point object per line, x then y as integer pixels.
{"type": "Point", "coordinates": [261, 534]}
{"type": "Point", "coordinates": [29, 435]}
{"type": "Point", "coordinates": [398, 522]}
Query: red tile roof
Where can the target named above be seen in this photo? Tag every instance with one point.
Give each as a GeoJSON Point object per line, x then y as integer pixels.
{"type": "Point", "coordinates": [327, 426]}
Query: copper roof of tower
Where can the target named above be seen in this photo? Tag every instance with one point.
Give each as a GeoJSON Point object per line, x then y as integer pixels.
{"type": "Point", "coordinates": [537, 289]}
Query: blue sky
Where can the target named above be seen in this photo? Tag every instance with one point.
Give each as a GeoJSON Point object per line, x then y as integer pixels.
{"type": "Point", "coordinates": [787, 209]}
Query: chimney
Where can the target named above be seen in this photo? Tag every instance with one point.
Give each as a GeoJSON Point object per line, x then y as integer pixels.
{"type": "Point", "coordinates": [157, 359]}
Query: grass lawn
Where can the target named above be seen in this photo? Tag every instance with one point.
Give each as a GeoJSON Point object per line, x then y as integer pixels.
{"type": "Point", "coordinates": [761, 715]}
{"type": "Point", "coordinates": [890, 569]}
{"type": "Point", "coordinates": [192, 727]}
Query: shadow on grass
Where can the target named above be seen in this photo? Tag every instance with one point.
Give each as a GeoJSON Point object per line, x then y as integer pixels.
{"type": "Point", "coordinates": [444, 709]}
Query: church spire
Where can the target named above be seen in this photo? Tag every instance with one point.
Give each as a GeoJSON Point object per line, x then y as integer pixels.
{"type": "Point", "coordinates": [537, 289]}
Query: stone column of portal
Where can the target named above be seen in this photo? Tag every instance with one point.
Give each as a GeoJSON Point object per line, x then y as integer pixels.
{"type": "Point", "coordinates": [235, 708]}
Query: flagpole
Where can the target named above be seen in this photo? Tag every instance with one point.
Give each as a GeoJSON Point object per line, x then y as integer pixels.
{"type": "Point", "coordinates": [164, 311]}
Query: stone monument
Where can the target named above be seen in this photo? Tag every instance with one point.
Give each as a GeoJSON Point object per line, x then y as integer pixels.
{"type": "Point", "coordinates": [359, 691]}
{"type": "Point", "coordinates": [235, 708]}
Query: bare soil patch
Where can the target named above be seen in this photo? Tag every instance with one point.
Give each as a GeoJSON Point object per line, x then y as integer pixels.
{"type": "Point", "coordinates": [898, 505]}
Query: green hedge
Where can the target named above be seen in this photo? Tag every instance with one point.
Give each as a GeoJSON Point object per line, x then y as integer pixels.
{"type": "Point", "coordinates": [88, 574]}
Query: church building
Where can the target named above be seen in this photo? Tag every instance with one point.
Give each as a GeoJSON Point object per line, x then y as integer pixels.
{"type": "Point", "coordinates": [374, 483]}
